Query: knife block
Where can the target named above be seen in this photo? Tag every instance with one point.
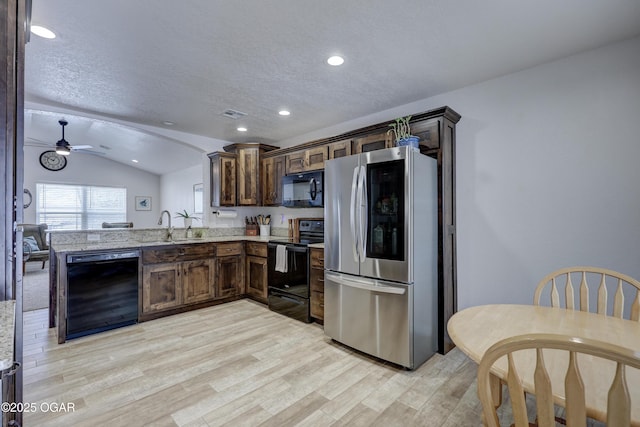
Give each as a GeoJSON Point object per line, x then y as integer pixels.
{"type": "Point", "coordinates": [251, 230]}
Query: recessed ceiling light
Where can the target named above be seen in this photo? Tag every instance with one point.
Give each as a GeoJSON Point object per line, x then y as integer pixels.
{"type": "Point", "coordinates": [284, 112]}
{"type": "Point", "coordinates": [168, 123]}
{"type": "Point", "coordinates": [335, 60]}
{"type": "Point", "coordinates": [42, 32]}
{"type": "Point", "coordinates": [241, 129]}
{"type": "Point", "coordinates": [134, 161]}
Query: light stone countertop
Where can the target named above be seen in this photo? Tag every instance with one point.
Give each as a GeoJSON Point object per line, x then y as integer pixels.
{"type": "Point", "coordinates": [7, 329]}
{"type": "Point", "coordinates": [317, 245]}
{"type": "Point", "coordinates": [130, 244]}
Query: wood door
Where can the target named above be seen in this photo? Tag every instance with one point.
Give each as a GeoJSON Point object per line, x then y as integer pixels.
{"type": "Point", "coordinates": [229, 276]}
{"type": "Point", "coordinates": [273, 169]}
{"type": "Point", "coordinates": [227, 181]}
{"type": "Point", "coordinates": [316, 283]}
{"type": "Point", "coordinates": [279, 170]}
{"type": "Point", "coordinates": [429, 133]}
{"type": "Point", "coordinates": [267, 180]}
{"type": "Point", "coordinates": [223, 179]}
{"type": "Point", "coordinates": [247, 177]}
{"type": "Point", "coordinates": [315, 158]}
{"type": "Point", "coordinates": [256, 277]}
{"type": "Point", "coordinates": [376, 141]}
{"type": "Point", "coordinates": [161, 287]}
{"type": "Point", "coordinates": [340, 149]}
{"type": "Point", "coordinates": [296, 162]}
{"type": "Point", "coordinates": [197, 281]}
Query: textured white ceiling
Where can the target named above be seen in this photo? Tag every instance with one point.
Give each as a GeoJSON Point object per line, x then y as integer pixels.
{"type": "Point", "coordinates": [146, 61]}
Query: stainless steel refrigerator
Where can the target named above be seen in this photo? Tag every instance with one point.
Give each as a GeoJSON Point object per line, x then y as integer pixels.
{"type": "Point", "coordinates": [381, 240]}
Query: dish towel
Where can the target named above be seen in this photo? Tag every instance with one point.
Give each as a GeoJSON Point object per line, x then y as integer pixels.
{"type": "Point", "coordinates": [281, 259]}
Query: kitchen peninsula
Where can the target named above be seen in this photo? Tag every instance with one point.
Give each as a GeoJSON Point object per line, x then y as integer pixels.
{"type": "Point", "coordinates": [168, 277]}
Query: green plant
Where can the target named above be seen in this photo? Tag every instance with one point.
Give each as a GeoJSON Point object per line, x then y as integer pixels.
{"type": "Point", "coordinates": [185, 214]}
{"type": "Point", "coordinates": [401, 128]}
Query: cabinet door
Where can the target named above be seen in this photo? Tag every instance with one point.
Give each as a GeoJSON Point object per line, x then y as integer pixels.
{"type": "Point", "coordinates": [271, 179]}
{"type": "Point", "coordinates": [256, 277]}
{"type": "Point", "coordinates": [223, 179]}
{"type": "Point", "coordinates": [197, 281]}
{"type": "Point", "coordinates": [268, 182]}
{"type": "Point", "coordinates": [279, 165]}
{"type": "Point", "coordinates": [227, 181]}
{"type": "Point", "coordinates": [229, 276]}
{"type": "Point", "coordinates": [316, 283]}
{"type": "Point", "coordinates": [315, 158]}
{"type": "Point", "coordinates": [248, 190]}
{"type": "Point", "coordinates": [340, 149]}
{"type": "Point", "coordinates": [296, 162]}
{"type": "Point", "coordinates": [429, 133]}
{"type": "Point", "coordinates": [376, 141]}
{"type": "Point", "coordinates": [161, 287]}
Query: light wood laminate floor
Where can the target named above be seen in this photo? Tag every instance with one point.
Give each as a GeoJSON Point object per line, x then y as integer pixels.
{"type": "Point", "coordinates": [235, 364]}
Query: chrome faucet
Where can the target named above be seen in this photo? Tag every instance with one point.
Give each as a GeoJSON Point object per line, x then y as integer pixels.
{"type": "Point", "coordinates": [169, 228]}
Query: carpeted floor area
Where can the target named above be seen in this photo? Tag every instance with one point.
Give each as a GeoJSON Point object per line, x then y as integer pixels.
{"type": "Point", "coordinates": [35, 287]}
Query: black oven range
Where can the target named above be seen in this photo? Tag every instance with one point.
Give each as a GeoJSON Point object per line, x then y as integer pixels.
{"type": "Point", "coordinates": [288, 271]}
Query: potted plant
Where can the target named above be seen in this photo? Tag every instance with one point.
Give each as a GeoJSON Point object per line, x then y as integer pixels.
{"type": "Point", "coordinates": [188, 219]}
{"type": "Point", "coordinates": [402, 132]}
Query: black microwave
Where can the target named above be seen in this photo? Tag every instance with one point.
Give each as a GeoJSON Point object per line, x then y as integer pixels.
{"type": "Point", "coordinates": [303, 190]}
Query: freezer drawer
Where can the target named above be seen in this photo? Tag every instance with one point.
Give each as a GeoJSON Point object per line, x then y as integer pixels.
{"type": "Point", "coordinates": [373, 316]}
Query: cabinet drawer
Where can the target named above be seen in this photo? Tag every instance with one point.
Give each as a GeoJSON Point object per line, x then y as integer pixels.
{"type": "Point", "coordinates": [224, 249]}
{"type": "Point", "coordinates": [317, 305]}
{"type": "Point", "coordinates": [316, 280]}
{"type": "Point", "coordinates": [317, 258]}
{"type": "Point", "coordinates": [176, 253]}
{"type": "Point", "coordinates": [257, 249]}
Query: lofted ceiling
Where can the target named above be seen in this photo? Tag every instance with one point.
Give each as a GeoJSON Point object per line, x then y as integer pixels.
{"type": "Point", "coordinates": [130, 65]}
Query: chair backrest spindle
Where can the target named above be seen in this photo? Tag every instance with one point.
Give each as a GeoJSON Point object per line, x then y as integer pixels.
{"type": "Point", "coordinates": [618, 411]}
{"type": "Point", "coordinates": [556, 279]}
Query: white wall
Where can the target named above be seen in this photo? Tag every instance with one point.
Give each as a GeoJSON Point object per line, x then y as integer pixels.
{"type": "Point", "coordinates": [548, 171]}
{"type": "Point", "coordinates": [176, 193]}
{"type": "Point", "coordinates": [93, 170]}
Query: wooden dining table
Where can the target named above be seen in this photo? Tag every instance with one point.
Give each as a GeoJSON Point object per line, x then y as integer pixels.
{"type": "Point", "coordinates": [475, 329]}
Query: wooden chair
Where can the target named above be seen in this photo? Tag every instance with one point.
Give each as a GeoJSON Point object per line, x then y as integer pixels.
{"type": "Point", "coordinates": [601, 275]}
{"type": "Point", "coordinates": [618, 404]}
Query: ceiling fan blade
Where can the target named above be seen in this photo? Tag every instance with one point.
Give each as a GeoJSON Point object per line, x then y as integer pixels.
{"type": "Point", "coordinates": [80, 147]}
{"type": "Point", "coordinates": [85, 151]}
{"type": "Point", "coordinates": [34, 142]}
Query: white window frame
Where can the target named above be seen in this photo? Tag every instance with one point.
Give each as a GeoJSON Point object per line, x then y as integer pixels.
{"type": "Point", "coordinates": [81, 211]}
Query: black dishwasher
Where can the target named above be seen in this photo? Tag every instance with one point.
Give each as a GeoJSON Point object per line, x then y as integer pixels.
{"type": "Point", "coordinates": [102, 291]}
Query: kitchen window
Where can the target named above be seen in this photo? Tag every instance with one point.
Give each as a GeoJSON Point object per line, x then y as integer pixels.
{"type": "Point", "coordinates": [79, 207]}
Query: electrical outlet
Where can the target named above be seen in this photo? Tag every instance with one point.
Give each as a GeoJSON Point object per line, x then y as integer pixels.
{"type": "Point", "coordinates": [94, 237]}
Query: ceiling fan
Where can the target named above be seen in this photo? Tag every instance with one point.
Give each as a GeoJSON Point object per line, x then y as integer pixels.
{"type": "Point", "coordinates": [63, 147]}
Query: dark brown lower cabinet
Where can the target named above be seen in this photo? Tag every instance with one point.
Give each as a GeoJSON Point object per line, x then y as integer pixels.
{"type": "Point", "coordinates": [197, 281]}
{"type": "Point", "coordinates": [161, 287]}
{"type": "Point", "coordinates": [229, 276]}
{"type": "Point", "coordinates": [256, 278]}
{"type": "Point", "coordinates": [316, 283]}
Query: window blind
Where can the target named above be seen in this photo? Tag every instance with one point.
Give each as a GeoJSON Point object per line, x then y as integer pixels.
{"type": "Point", "coordinates": [79, 207]}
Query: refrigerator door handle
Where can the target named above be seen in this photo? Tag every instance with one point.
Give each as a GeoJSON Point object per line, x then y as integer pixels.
{"type": "Point", "coordinates": [363, 214]}
{"type": "Point", "coordinates": [352, 214]}
{"type": "Point", "coordinates": [367, 286]}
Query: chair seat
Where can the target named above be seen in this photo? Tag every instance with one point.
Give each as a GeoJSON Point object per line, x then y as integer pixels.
{"type": "Point", "coordinates": [39, 256]}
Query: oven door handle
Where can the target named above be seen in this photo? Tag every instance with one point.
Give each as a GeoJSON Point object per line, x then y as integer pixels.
{"type": "Point", "coordinates": [292, 248]}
